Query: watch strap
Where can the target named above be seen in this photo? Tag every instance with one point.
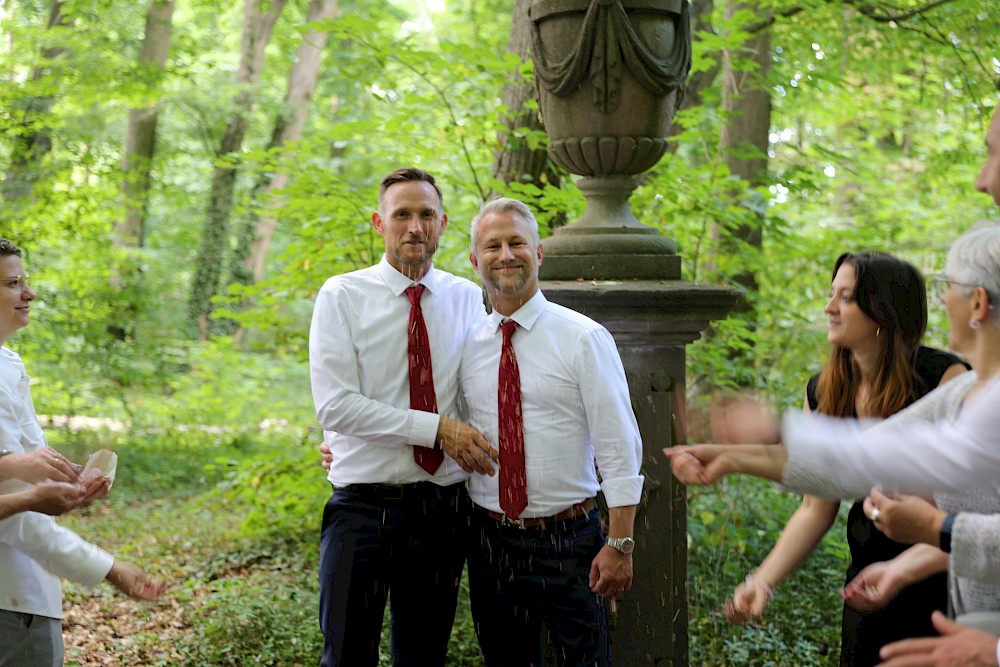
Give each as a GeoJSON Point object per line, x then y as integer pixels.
{"type": "Point", "coordinates": [944, 538]}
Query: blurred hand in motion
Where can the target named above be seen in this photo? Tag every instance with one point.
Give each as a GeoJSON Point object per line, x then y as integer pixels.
{"type": "Point", "coordinates": [749, 601]}
{"type": "Point", "coordinates": [698, 465]}
{"type": "Point", "coordinates": [701, 465]}
{"type": "Point", "coordinates": [874, 587]}
{"type": "Point", "coordinates": [744, 421]}
{"type": "Point", "coordinates": [133, 582]}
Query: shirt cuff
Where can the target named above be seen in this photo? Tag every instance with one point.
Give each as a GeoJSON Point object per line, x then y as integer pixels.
{"type": "Point", "coordinates": [94, 569]}
{"type": "Point", "coordinates": [623, 491]}
{"type": "Point", "coordinates": [423, 428]}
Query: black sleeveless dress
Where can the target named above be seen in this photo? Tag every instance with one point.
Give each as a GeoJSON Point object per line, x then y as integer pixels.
{"type": "Point", "coordinates": [909, 614]}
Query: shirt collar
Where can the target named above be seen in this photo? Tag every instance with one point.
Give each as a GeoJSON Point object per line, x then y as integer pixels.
{"type": "Point", "coordinates": [398, 283]}
{"type": "Point", "coordinates": [525, 316]}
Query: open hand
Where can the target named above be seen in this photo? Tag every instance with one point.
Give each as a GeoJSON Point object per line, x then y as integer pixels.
{"type": "Point", "coordinates": [874, 587]}
{"type": "Point", "coordinates": [133, 582]}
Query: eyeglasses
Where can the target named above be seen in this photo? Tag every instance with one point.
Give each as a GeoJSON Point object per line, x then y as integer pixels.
{"type": "Point", "coordinates": [20, 281]}
{"type": "Point", "coordinates": [940, 285]}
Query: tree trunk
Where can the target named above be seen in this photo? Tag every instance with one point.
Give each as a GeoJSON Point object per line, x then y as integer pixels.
{"type": "Point", "coordinates": [140, 137]}
{"type": "Point", "coordinates": [701, 21]}
{"type": "Point", "coordinates": [746, 106]}
{"type": "Point", "coordinates": [33, 142]}
{"type": "Point", "coordinates": [257, 29]}
{"type": "Point", "coordinates": [255, 240]}
{"type": "Point", "coordinates": [516, 161]}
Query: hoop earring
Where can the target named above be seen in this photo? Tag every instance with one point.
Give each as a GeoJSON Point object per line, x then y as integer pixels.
{"type": "Point", "coordinates": [973, 324]}
{"type": "Point", "coordinates": [878, 330]}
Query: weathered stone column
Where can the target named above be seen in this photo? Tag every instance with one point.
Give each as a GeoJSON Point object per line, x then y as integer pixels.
{"type": "Point", "coordinates": [610, 74]}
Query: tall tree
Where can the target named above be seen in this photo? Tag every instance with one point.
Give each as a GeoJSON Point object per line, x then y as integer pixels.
{"type": "Point", "coordinates": [32, 140]}
{"type": "Point", "coordinates": [140, 136]}
{"type": "Point", "coordinates": [255, 237]}
{"type": "Point", "coordinates": [743, 140]}
{"type": "Point", "coordinates": [258, 25]}
{"type": "Point", "coordinates": [518, 160]}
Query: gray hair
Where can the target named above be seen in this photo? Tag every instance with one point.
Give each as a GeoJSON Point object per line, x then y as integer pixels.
{"type": "Point", "coordinates": [974, 261]}
{"type": "Point", "coordinates": [504, 205]}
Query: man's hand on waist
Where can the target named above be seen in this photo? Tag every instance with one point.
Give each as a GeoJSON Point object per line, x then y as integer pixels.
{"type": "Point", "coordinates": [467, 446]}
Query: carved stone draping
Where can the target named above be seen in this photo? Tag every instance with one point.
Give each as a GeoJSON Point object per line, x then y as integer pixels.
{"type": "Point", "coordinates": [610, 74]}
{"type": "Point", "coordinates": [607, 47]}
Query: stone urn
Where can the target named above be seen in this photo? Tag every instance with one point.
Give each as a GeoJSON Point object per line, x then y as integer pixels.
{"type": "Point", "coordinates": [610, 74]}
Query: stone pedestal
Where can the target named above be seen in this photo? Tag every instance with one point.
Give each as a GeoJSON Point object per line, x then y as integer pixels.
{"type": "Point", "coordinates": [652, 322]}
{"type": "Point", "coordinates": [610, 76]}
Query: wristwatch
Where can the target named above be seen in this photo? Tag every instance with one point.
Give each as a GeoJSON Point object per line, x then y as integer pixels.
{"type": "Point", "coordinates": [5, 452]}
{"type": "Point", "coordinates": [626, 545]}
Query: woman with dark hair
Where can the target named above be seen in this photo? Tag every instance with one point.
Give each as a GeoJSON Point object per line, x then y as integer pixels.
{"type": "Point", "coordinates": [877, 316]}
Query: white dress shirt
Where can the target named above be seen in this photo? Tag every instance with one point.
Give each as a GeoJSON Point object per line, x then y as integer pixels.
{"type": "Point", "coordinates": [575, 406]}
{"type": "Point", "coordinates": [840, 458]}
{"type": "Point", "coordinates": [34, 550]}
{"type": "Point", "coordinates": [360, 375]}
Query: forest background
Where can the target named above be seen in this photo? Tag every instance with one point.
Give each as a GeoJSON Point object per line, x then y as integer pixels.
{"type": "Point", "coordinates": [184, 175]}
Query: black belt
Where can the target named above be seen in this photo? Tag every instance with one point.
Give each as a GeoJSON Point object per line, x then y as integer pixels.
{"type": "Point", "coordinates": [401, 491]}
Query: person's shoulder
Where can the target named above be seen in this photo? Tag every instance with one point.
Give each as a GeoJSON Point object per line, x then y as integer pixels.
{"type": "Point", "coordinates": [941, 356]}
{"type": "Point", "coordinates": [449, 281]}
{"type": "Point", "coordinates": [572, 318]}
{"type": "Point", "coordinates": [576, 329]}
{"type": "Point", "coordinates": [931, 363]}
{"type": "Point", "coordinates": [351, 279]}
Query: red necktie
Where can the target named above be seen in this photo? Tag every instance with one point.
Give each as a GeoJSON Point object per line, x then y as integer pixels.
{"type": "Point", "coordinates": [513, 481]}
{"type": "Point", "coordinates": [422, 395]}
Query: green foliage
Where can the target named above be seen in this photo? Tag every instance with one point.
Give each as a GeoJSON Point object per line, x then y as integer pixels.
{"type": "Point", "coordinates": [283, 487]}
{"type": "Point", "coordinates": [732, 527]}
{"type": "Point", "coordinates": [266, 618]}
{"type": "Point", "coordinates": [876, 137]}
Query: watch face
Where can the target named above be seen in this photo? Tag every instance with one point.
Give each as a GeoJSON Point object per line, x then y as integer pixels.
{"type": "Point", "coordinates": [622, 544]}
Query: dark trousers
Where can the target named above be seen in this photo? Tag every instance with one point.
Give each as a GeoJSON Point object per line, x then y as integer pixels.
{"type": "Point", "coordinates": [522, 577]}
{"type": "Point", "coordinates": [401, 542]}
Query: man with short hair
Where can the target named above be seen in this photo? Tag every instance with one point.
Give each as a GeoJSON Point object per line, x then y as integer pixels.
{"type": "Point", "coordinates": [545, 384]}
{"type": "Point", "coordinates": [384, 350]}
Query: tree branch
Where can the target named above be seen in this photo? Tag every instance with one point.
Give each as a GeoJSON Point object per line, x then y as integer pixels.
{"type": "Point", "coordinates": [870, 10]}
{"type": "Point", "coordinates": [863, 6]}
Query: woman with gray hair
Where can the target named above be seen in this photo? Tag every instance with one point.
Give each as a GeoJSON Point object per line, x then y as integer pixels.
{"type": "Point", "coordinates": [946, 442]}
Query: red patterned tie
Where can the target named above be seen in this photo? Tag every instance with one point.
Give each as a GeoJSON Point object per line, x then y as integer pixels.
{"type": "Point", "coordinates": [513, 482]}
{"type": "Point", "coordinates": [422, 395]}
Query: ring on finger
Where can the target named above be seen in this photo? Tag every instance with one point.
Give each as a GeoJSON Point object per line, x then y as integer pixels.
{"type": "Point", "coordinates": [875, 513]}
